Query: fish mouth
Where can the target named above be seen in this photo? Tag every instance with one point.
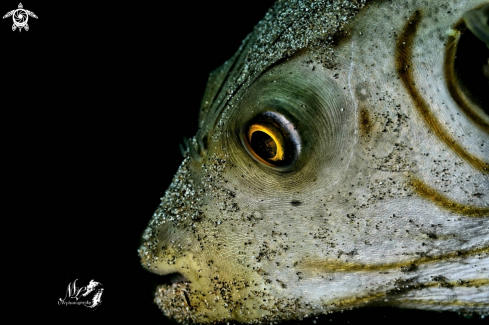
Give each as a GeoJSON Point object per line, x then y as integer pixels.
{"type": "Point", "coordinates": [172, 297]}
{"type": "Point", "coordinates": [174, 290]}
{"type": "Point", "coordinates": [175, 281]}
{"type": "Point", "coordinates": [175, 278]}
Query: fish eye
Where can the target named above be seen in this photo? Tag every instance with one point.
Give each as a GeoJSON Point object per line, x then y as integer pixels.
{"type": "Point", "coordinates": [272, 139]}
{"type": "Point", "coordinates": [467, 64]}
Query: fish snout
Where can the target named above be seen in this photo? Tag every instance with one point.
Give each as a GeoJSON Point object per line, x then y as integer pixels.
{"type": "Point", "coordinates": [166, 251]}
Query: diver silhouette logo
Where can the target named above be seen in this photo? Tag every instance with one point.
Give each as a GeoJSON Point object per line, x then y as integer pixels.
{"type": "Point", "coordinates": [92, 294]}
{"type": "Point", "coordinates": [20, 17]}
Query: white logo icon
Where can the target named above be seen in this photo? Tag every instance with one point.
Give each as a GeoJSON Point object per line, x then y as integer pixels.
{"type": "Point", "coordinates": [91, 295]}
{"type": "Point", "coordinates": [20, 17]}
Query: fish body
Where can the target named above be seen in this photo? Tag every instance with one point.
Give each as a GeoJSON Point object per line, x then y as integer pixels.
{"type": "Point", "coordinates": [342, 160]}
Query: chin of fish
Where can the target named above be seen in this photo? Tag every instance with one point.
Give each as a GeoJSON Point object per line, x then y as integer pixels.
{"type": "Point", "coordinates": [341, 161]}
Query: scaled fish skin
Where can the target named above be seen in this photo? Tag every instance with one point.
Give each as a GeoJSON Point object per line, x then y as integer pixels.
{"type": "Point", "coordinates": [342, 160]}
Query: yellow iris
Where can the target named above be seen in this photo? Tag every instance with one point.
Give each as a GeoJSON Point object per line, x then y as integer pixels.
{"type": "Point", "coordinates": [275, 136]}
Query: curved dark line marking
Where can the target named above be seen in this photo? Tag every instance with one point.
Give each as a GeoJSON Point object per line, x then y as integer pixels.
{"type": "Point", "coordinates": [403, 65]}
{"type": "Point", "coordinates": [441, 303]}
{"type": "Point", "coordinates": [393, 292]}
{"type": "Point", "coordinates": [445, 203]}
{"type": "Point", "coordinates": [364, 122]}
{"type": "Point", "coordinates": [339, 266]}
{"type": "Point", "coordinates": [451, 79]}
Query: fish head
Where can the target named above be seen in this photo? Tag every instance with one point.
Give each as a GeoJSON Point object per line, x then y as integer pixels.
{"type": "Point", "coordinates": [341, 161]}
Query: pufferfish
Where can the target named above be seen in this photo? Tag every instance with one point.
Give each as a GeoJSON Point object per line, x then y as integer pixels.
{"type": "Point", "coordinates": [341, 161]}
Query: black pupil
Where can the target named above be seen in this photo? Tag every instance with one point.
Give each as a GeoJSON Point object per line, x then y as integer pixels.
{"type": "Point", "coordinates": [472, 68]}
{"type": "Point", "coordinates": [263, 145]}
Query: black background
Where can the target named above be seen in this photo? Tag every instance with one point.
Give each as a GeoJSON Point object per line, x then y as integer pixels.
{"type": "Point", "coordinates": [95, 100]}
